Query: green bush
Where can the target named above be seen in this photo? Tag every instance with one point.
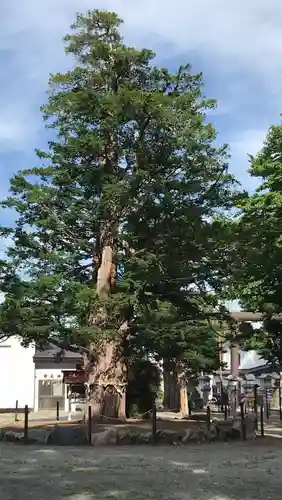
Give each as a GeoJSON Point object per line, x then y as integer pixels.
{"type": "Point", "coordinates": [143, 386]}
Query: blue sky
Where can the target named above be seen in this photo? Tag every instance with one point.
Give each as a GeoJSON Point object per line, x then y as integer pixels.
{"type": "Point", "coordinates": [236, 44]}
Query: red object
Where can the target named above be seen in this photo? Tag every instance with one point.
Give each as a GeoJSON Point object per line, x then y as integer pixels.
{"type": "Point", "coordinates": [74, 377]}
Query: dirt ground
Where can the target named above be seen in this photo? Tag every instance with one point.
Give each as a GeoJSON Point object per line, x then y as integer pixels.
{"type": "Point", "coordinates": [237, 471]}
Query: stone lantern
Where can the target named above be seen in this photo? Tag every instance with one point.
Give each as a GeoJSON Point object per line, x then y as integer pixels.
{"type": "Point", "coordinates": [266, 387]}
{"type": "Point", "coordinates": [250, 390]}
{"type": "Point", "coordinates": [205, 386]}
{"type": "Point", "coordinates": [232, 389]}
{"type": "Point", "coordinates": [250, 381]}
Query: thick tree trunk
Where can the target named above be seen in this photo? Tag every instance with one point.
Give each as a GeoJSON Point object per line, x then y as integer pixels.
{"type": "Point", "coordinates": [175, 389]}
{"type": "Point", "coordinates": [105, 370]}
{"type": "Point", "coordinates": [107, 383]}
{"type": "Point", "coordinates": [171, 387]}
{"type": "Point", "coordinates": [183, 400]}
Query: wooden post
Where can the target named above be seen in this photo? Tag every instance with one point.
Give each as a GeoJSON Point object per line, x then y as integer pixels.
{"type": "Point", "coordinates": [243, 425]}
{"type": "Point", "coordinates": [26, 423]}
{"type": "Point", "coordinates": [280, 403]}
{"type": "Point", "coordinates": [255, 398]}
{"type": "Point", "coordinates": [189, 405]}
{"type": "Point", "coordinates": [261, 421]}
{"type": "Point", "coordinates": [16, 412]}
{"type": "Point", "coordinates": [266, 405]}
{"type": "Point", "coordinates": [208, 417]}
{"type": "Point", "coordinates": [221, 397]}
{"type": "Point", "coordinates": [89, 423]}
{"type": "Point", "coordinates": [256, 404]}
{"type": "Point", "coordinates": [58, 411]}
{"type": "Point", "coordinates": [154, 424]}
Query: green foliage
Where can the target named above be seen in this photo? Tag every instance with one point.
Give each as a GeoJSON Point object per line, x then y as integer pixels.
{"type": "Point", "coordinates": [257, 273]}
{"type": "Point", "coordinates": [132, 162]}
{"type": "Point", "coordinates": [143, 385]}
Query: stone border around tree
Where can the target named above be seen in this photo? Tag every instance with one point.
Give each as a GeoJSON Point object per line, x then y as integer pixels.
{"type": "Point", "coordinates": [220, 430]}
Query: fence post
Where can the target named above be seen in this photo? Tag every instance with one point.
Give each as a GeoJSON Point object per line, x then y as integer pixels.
{"type": "Point", "coordinates": [267, 404]}
{"type": "Point", "coordinates": [261, 421]}
{"type": "Point", "coordinates": [189, 405]}
{"type": "Point", "coordinates": [255, 398]}
{"type": "Point", "coordinates": [256, 405]}
{"type": "Point", "coordinates": [154, 423]}
{"type": "Point", "coordinates": [58, 411]}
{"type": "Point", "coordinates": [26, 423]}
{"type": "Point", "coordinates": [208, 417]}
{"type": "Point", "coordinates": [243, 424]}
{"type": "Point", "coordinates": [280, 403]}
{"type": "Point", "coordinates": [16, 412]}
{"type": "Point", "coordinates": [89, 423]}
{"type": "Point", "coordinates": [208, 422]}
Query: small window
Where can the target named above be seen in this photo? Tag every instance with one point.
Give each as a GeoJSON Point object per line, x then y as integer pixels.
{"type": "Point", "coordinates": [51, 388]}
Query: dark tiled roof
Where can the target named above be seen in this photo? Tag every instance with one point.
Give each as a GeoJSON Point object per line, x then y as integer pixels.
{"type": "Point", "coordinates": [51, 351]}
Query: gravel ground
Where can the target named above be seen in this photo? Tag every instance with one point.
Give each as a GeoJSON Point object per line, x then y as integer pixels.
{"type": "Point", "coordinates": [241, 471]}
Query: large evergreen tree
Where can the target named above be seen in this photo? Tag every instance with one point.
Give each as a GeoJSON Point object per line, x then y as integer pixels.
{"type": "Point", "coordinates": [118, 238]}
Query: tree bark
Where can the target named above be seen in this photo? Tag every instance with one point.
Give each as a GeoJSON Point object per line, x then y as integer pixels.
{"type": "Point", "coordinates": [107, 383]}
{"type": "Point", "coordinates": [183, 400]}
{"type": "Point", "coordinates": [171, 387]}
{"type": "Point", "coordinates": [104, 367]}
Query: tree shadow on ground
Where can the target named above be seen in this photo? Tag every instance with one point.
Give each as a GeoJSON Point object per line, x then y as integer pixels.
{"type": "Point", "coordinates": [205, 472]}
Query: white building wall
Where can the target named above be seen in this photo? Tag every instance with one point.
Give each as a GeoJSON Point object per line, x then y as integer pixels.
{"type": "Point", "coordinates": [16, 374]}
{"type": "Point", "coordinates": [49, 370]}
{"type": "Point", "coordinates": [48, 374]}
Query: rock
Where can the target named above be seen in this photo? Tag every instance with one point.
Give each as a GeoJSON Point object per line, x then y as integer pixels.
{"type": "Point", "coordinates": [108, 437]}
{"type": "Point", "coordinates": [18, 437]}
{"type": "Point", "coordinates": [2, 434]}
{"type": "Point", "coordinates": [134, 438]}
{"type": "Point", "coordinates": [211, 433]}
{"type": "Point", "coordinates": [169, 437]}
{"type": "Point", "coordinates": [186, 436]}
{"type": "Point", "coordinates": [144, 438]}
{"type": "Point", "coordinates": [224, 429]}
{"type": "Point", "coordinates": [67, 436]}
{"type": "Point", "coordinates": [195, 436]}
{"type": "Point", "coordinates": [232, 428]}
{"type": "Point", "coordinates": [127, 438]}
{"type": "Point", "coordinates": [250, 425]}
{"type": "Point", "coordinates": [38, 435]}
{"type": "Point", "coordinates": [12, 436]}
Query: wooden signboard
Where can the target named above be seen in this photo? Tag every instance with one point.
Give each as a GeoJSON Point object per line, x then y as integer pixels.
{"type": "Point", "coordinates": [74, 377]}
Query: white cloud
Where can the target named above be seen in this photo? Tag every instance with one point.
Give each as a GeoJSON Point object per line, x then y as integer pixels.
{"type": "Point", "coordinates": [247, 33]}
{"type": "Point", "coordinates": [248, 142]}
{"type": "Point", "coordinates": [15, 128]}
{"type": "Point", "coordinates": [235, 36]}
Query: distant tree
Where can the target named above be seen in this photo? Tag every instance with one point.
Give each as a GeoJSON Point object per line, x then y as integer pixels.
{"type": "Point", "coordinates": [123, 220]}
{"type": "Point", "coordinates": [257, 269]}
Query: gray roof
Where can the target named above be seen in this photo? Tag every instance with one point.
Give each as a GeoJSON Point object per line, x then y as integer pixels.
{"type": "Point", "coordinates": [51, 351]}
{"type": "Point", "coordinates": [250, 360]}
